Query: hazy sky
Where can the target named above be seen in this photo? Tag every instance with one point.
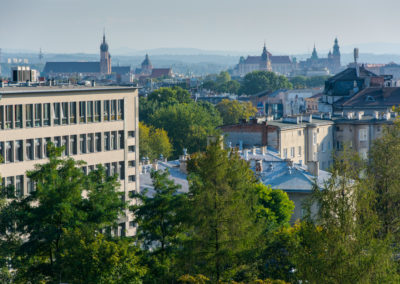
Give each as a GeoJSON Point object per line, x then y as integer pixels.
{"type": "Point", "coordinates": [287, 26]}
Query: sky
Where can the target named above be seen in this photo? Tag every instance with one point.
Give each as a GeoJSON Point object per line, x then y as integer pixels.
{"type": "Point", "coordinates": [287, 26]}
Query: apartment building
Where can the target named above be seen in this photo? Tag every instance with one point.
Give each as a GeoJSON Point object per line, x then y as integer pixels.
{"type": "Point", "coordinates": [98, 125]}
{"type": "Point", "coordinates": [302, 139]}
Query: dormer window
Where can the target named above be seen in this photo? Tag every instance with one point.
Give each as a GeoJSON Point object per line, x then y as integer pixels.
{"type": "Point", "coordinates": [370, 99]}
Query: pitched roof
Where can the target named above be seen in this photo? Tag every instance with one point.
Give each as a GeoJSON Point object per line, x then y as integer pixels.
{"type": "Point", "coordinates": [350, 74]}
{"type": "Point", "coordinates": [374, 97]}
{"type": "Point", "coordinates": [280, 59]}
{"type": "Point", "coordinates": [160, 72]}
{"type": "Point", "coordinates": [252, 60]}
{"type": "Point", "coordinates": [121, 69]}
{"type": "Point", "coordinates": [71, 67]}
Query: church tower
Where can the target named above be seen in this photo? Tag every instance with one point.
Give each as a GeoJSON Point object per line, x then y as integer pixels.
{"type": "Point", "coordinates": [105, 57]}
{"type": "Point", "coordinates": [336, 55]}
{"type": "Point", "coordinates": [265, 60]}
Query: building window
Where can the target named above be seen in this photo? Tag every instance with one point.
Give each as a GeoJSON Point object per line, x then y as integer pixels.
{"type": "Point", "coordinates": [1, 117]}
{"type": "Point", "coordinates": [120, 114]}
{"type": "Point", "coordinates": [82, 112]}
{"type": "Point", "coordinates": [90, 111]}
{"type": "Point", "coordinates": [46, 146]}
{"type": "Point", "coordinates": [108, 169]}
{"type": "Point", "coordinates": [31, 186]}
{"type": "Point", "coordinates": [299, 132]}
{"type": "Point", "coordinates": [46, 114]}
{"type": "Point", "coordinates": [10, 185]}
{"type": "Point", "coordinates": [74, 145]}
{"type": "Point", "coordinates": [84, 170]}
{"type": "Point", "coordinates": [292, 152]}
{"type": "Point", "coordinates": [98, 142]}
{"type": "Point", "coordinates": [114, 168]}
{"type": "Point", "coordinates": [38, 115]}
{"type": "Point", "coordinates": [315, 138]}
{"type": "Point", "coordinates": [82, 143]}
{"type": "Point", "coordinates": [2, 152]}
{"type": "Point", "coordinates": [64, 113]}
{"type": "Point", "coordinates": [9, 117]}
{"type": "Point", "coordinates": [29, 115]}
{"type": "Point", "coordinates": [90, 143]}
{"type": "Point", "coordinates": [38, 148]}
{"type": "Point", "coordinates": [65, 145]}
{"type": "Point", "coordinates": [299, 151]}
{"type": "Point", "coordinates": [113, 109]}
{"type": "Point", "coordinates": [56, 113]}
{"type": "Point", "coordinates": [18, 116]}
{"type": "Point", "coordinates": [131, 178]}
{"type": "Point", "coordinates": [362, 134]}
{"type": "Point", "coordinates": [131, 134]}
{"type": "Point", "coordinates": [72, 112]}
{"type": "Point", "coordinates": [106, 112]}
{"type": "Point", "coordinates": [339, 145]}
{"type": "Point", "coordinates": [19, 151]}
{"type": "Point", "coordinates": [9, 151]}
{"type": "Point", "coordinates": [131, 149]}
{"type": "Point", "coordinates": [97, 111]}
{"type": "Point", "coordinates": [114, 144]}
{"type": "Point", "coordinates": [29, 149]}
{"type": "Point", "coordinates": [121, 139]}
{"type": "Point", "coordinates": [57, 141]}
{"type": "Point", "coordinates": [285, 153]}
{"type": "Point", "coordinates": [107, 141]}
{"type": "Point", "coordinates": [121, 170]}
{"type": "Point", "coordinates": [19, 186]}
{"type": "Point", "coordinates": [131, 164]}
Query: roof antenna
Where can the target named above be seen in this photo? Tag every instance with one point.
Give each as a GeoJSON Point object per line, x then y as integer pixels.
{"type": "Point", "coordinates": [355, 53]}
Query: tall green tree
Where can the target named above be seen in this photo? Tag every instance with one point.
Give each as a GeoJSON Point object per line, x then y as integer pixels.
{"type": "Point", "coordinates": [65, 199]}
{"type": "Point", "coordinates": [160, 216]}
{"type": "Point", "coordinates": [232, 110]}
{"type": "Point", "coordinates": [258, 81]}
{"type": "Point", "coordinates": [153, 142]}
{"type": "Point", "coordinates": [223, 223]}
{"type": "Point", "coordinates": [339, 244]}
{"type": "Point", "coordinates": [187, 125]}
{"type": "Point", "coordinates": [383, 169]}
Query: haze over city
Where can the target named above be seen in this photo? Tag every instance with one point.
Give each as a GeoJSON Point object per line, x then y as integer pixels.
{"type": "Point", "coordinates": [287, 26]}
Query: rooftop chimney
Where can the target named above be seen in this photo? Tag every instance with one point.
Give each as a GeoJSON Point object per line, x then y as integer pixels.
{"type": "Point", "coordinates": [355, 62]}
{"type": "Point", "coordinates": [313, 167]}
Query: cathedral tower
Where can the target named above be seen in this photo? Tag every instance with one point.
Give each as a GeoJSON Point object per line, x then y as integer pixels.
{"type": "Point", "coordinates": [336, 55]}
{"type": "Point", "coordinates": [265, 60]}
{"type": "Point", "coordinates": [105, 57]}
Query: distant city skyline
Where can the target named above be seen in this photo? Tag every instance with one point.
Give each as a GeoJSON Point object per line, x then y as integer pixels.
{"type": "Point", "coordinates": [287, 26]}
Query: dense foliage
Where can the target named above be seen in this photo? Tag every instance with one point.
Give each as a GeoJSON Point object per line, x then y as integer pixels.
{"type": "Point", "coordinates": [187, 123]}
{"type": "Point", "coordinates": [153, 142]}
{"type": "Point", "coordinates": [302, 82]}
{"type": "Point", "coordinates": [258, 81]}
{"type": "Point", "coordinates": [232, 111]}
{"type": "Point", "coordinates": [222, 84]}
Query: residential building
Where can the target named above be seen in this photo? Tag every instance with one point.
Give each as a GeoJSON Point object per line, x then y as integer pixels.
{"type": "Point", "coordinates": [358, 131]}
{"type": "Point", "coordinates": [98, 125]}
{"type": "Point", "coordinates": [301, 139]}
{"type": "Point", "coordinates": [23, 74]}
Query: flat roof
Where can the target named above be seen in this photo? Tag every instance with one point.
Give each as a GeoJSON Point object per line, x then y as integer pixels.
{"type": "Point", "coordinates": [288, 125]}
{"type": "Point", "coordinates": [61, 88]}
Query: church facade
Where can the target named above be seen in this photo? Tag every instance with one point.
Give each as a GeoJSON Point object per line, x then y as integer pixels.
{"type": "Point", "coordinates": [331, 63]}
{"type": "Point", "coordinates": [94, 69]}
{"type": "Point", "coordinates": [266, 62]}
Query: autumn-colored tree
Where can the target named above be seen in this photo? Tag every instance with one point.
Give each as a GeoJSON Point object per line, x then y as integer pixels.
{"type": "Point", "coordinates": [232, 110]}
{"type": "Point", "coordinates": [153, 142]}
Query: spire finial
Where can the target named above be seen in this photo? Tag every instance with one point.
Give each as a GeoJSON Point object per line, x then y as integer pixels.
{"type": "Point", "coordinates": [104, 34]}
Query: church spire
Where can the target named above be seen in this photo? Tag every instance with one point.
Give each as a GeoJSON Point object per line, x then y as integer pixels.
{"type": "Point", "coordinates": [314, 54]}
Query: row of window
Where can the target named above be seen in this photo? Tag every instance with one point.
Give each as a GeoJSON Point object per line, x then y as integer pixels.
{"type": "Point", "coordinates": [292, 152]}
{"type": "Point", "coordinates": [14, 185]}
{"type": "Point", "coordinates": [38, 115]}
{"type": "Point", "coordinates": [36, 149]}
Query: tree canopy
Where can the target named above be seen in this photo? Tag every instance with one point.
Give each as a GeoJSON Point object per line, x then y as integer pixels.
{"type": "Point", "coordinates": [153, 142]}
{"type": "Point", "coordinates": [258, 81]}
{"type": "Point", "coordinates": [232, 110]}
